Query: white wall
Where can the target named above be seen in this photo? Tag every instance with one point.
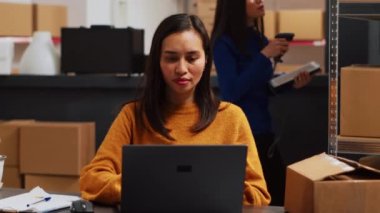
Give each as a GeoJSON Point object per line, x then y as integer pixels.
{"type": "Point", "coordinates": [147, 14]}
{"type": "Point", "coordinates": [76, 14]}
{"type": "Point", "coordinates": [98, 12]}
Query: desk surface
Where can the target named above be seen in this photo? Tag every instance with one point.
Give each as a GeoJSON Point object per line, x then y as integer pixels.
{"type": "Point", "coordinates": [7, 192]}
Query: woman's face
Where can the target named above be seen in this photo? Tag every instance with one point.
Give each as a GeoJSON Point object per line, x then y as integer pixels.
{"type": "Point", "coordinates": [255, 9]}
{"type": "Point", "coordinates": [182, 64]}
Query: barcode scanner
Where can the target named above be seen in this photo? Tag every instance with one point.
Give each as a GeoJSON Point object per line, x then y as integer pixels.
{"type": "Point", "coordinates": [288, 37]}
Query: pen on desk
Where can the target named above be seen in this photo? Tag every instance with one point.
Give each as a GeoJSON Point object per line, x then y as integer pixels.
{"type": "Point", "coordinates": [45, 199]}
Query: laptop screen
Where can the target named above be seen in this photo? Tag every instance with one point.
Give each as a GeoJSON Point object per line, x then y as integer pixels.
{"type": "Point", "coordinates": [183, 178]}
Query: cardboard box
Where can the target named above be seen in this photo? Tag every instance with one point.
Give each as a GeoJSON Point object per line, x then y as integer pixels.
{"type": "Point", "coordinates": [270, 24]}
{"type": "Point", "coordinates": [58, 148]}
{"type": "Point", "coordinates": [359, 101]}
{"type": "Point", "coordinates": [206, 12]}
{"type": "Point", "coordinates": [209, 24]}
{"type": "Point", "coordinates": [9, 137]}
{"type": "Point", "coordinates": [296, 4]}
{"type": "Point", "coordinates": [359, 1]}
{"type": "Point", "coordinates": [50, 18]}
{"type": "Point", "coordinates": [206, 8]}
{"type": "Point", "coordinates": [305, 24]}
{"type": "Point", "coordinates": [53, 183]}
{"type": "Point", "coordinates": [371, 161]}
{"type": "Point", "coordinates": [12, 177]}
{"type": "Point", "coordinates": [16, 19]}
{"type": "Point", "coordinates": [308, 189]}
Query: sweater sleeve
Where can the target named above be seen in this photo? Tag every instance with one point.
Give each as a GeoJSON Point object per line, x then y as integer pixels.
{"type": "Point", "coordinates": [235, 75]}
{"type": "Point", "coordinates": [100, 180]}
{"type": "Point", "coordinates": [255, 188]}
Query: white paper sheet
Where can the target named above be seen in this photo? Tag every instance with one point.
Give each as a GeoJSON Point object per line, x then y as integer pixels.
{"type": "Point", "coordinates": [20, 202]}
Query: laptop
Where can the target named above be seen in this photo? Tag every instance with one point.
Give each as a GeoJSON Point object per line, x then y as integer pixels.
{"type": "Point", "coordinates": [183, 178]}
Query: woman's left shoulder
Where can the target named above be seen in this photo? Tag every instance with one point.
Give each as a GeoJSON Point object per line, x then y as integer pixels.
{"type": "Point", "coordinates": [229, 108]}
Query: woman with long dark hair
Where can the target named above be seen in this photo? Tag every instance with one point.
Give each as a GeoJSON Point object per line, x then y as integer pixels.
{"type": "Point", "coordinates": [177, 107]}
{"type": "Point", "coordinates": [243, 60]}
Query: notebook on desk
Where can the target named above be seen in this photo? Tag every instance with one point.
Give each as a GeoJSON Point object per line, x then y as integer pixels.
{"type": "Point", "coordinates": [183, 178]}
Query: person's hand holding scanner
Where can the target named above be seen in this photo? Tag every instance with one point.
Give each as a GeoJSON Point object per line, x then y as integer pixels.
{"type": "Point", "coordinates": [276, 48]}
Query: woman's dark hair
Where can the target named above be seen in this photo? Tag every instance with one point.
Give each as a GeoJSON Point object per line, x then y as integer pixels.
{"type": "Point", "coordinates": [231, 19]}
{"type": "Point", "coordinates": [152, 102]}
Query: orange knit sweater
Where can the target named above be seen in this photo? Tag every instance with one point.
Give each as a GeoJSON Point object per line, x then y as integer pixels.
{"type": "Point", "coordinates": [101, 180]}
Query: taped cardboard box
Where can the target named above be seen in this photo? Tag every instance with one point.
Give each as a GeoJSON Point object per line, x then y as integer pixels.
{"type": "Point", "coordinates": [325, 184]}
{"type": "Point", "coordinates": [12, 177]}
{"type": "Point", "coordinates": [9, 140]}
{"type": "Point", "coordinates": [270, 24]}
{"type": "Point", "coordinates": [371, 161]}
{"type": "Point", "coordinates": [208, 23]}
{"type": "Point", "coordinates": [53, 183]}
{"type": "Point", "coordinates": [50, 18]}
{"type": "Point", "coordinates": [57, 148]}
{"type": "Point", "coordinates": [206, 12]}
{"type": "Point", "coordinates": [360, 101]}
{"type": "Point", "coordinates": [305, 24]}
{"type": "Point", "coordinates": [16, 19]}
{"type": "Point", "coordinates": [206, 8]}
{"type": "Point", "coordinates": [359, 1]}
{"type": "Point", "coordinates": [296, 4]}
{"type": "Point", "coordinates": [285, 68]}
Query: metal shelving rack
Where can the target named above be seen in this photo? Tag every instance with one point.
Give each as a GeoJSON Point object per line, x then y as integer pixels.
{"type": "Point", "coordinates": [333, 70]}
{"type": "Point", "coordinates": [337, 9]}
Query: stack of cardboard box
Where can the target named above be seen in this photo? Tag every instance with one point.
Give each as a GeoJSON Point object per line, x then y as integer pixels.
{"type": "Point", "coordinates": [24, 19]}
{"type": "Point", "coordinates": [206, 11]}
{"type": "Point", "coordinates": [46, 154]}
{"type": "Point", "coordinates": [306, 24]}
{"type": "Point", "coordinates": [10, 146]}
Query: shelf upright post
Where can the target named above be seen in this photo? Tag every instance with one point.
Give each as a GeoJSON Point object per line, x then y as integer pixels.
{"type": "Point", "coordinates": [333, 70]}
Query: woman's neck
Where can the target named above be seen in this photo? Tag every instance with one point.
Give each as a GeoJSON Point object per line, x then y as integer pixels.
{"type": "Point", "coordinates": [178, 100]}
